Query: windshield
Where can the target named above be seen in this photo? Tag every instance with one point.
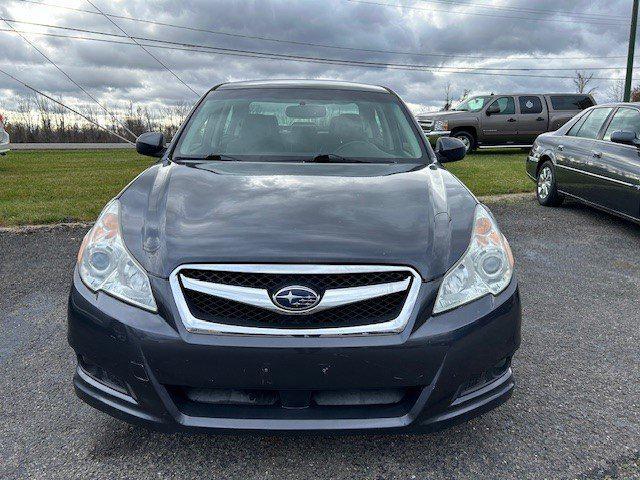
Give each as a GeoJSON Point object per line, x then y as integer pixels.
{"type": "Point", "coordinates": [474, 104]}
{"type": "Point", "coordinates": [277, 124]}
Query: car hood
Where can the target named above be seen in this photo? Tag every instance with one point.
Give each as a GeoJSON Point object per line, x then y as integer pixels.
{"type": "Point", "coordinates": [232, 212]}
{"type": "Point", "coordinates": [443, 115]}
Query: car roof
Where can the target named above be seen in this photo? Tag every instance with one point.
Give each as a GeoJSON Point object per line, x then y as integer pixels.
{"type": "Point", "coordinates": [322, 84]}
{"type": "Point", "coordinates": [521, 94]}
{"type": "Point", "coordinates": [618, 104]}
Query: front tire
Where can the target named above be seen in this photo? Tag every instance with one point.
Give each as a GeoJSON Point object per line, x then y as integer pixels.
{"type": "Point", "coordinates": [546, 186]}
{"type": "Point", "coordinates": [467, 138]}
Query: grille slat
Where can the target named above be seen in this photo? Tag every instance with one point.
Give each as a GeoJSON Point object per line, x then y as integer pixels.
{"type": "Point", "coordinates": [273, 282]}
{"type": "Point", "coordinates": [228, 312]}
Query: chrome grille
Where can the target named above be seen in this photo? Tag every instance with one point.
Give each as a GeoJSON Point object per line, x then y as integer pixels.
{"type": "Point", "coordinates": [228, 312]}
{"type": "Point", "coordinates": [238, 299]}
{"type": "Point", "coordinates": [427, 125]}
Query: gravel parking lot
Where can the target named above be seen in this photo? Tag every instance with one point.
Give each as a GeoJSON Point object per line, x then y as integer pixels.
{"type": "Point", "coordinates": [575, 413]}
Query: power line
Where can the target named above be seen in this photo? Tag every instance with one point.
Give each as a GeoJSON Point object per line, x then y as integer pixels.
{"type": "Point", "coordinates": [143, 48]}
{"type": "Point", "coordinates": [516, 8]}
{"type": "Point", "coordinates": [301, 43]}
{"type": "Point", "coordinates": [481, 14]}
{"type": "Point", "coordinates": [58, 102]}
{"type": "Point", "coordinates": [69, 78]}
{"type": "Point", "coordinates": [282, 56]}
{"type": "Point", "coordinates": [352, 63]}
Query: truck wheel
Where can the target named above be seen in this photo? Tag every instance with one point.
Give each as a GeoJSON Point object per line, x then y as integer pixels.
{"type": "Point", "coordinates": [546, 188]}
{"type": "Point", "coordinates": [466, 138]}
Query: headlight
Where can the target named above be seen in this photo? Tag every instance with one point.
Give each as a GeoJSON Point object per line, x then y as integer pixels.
{"type": "Point", "coordinates": [486, 267]}
{"type": "Point", "coordinates": [441, 125]}
{"type": "Point", "coordinates": [535, 150]}
{"type": "Point", "coordinates": [105, 263]}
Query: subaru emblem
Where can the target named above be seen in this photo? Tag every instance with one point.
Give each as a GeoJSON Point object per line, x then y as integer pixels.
{"type": "Point", "coordinates": [296, 298]}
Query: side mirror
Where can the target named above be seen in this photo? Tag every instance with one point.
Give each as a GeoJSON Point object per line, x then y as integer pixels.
{"type": "Point", "coordinates": [450, 149]}
{"type": "Point", "coordinates": [625, 137]}
{"type": "Point", "coordinates": [151, 144]}
{"type": "Point", "coordinates": [493, 109]}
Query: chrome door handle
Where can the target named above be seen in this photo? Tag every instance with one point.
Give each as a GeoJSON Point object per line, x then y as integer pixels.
{"type": "Point", "coordinates": [511, 120]}
{"type": "Point", "coordinates": [539, 119]}
{"type": "Point", "coordinates": [597, 154]}
{"type": "Point", "coordinates": [561, 147]}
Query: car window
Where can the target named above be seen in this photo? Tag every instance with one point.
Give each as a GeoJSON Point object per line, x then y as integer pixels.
{"type": "Point", "coordinates": [299, 124]}
{"type": "Point", "coordinates": [576, 126]}
{"type": "Point", "coordinates": [625, 119]}
{"type": "Point", "coordinates": [507, 105]}
{"type": "Point", "coordinates": [530, 105]}
{"type": "Point", "coordinates": [474, 104]}
{"type": "Point", "coordinates": [592, 124]}
{"type": "Point", "coordinates": [571, 102]}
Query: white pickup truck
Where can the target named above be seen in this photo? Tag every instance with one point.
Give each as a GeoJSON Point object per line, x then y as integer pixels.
{"type": "Point", "coordinates": [4, 138]}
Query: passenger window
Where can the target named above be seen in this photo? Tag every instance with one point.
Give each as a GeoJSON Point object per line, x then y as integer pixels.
{"type": "Point", "coordinates": [576, 126]}
{"type": "Point", "coordinates": [592, 124]}
{"type": "Point", "coordinates": [530, 105]}
{"type": "Point", "coordinates": [571, 102]}
{"type": "Point", "coordinates": [507, 106]}
{"type": "Point", "coordinates": [625, 119]}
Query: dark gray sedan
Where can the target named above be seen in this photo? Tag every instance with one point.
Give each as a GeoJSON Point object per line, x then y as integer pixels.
{"type": "Point", "coordinates": [297, 260]}
{"type": "Point", "coordinates": [594, 158]}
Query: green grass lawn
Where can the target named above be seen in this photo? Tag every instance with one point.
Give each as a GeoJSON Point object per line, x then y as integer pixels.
{"type": "Point", "coordinates": [61, 186]}
{"type": "Point", "coordinates": [493, 172]}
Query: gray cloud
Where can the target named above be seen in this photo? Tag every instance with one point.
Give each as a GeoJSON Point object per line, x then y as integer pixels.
{"type": "Point", "coordinates": [118, 74]}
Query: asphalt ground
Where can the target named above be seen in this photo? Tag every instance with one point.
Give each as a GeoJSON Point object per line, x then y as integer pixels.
{"type": "Point", "coordinates": [575, 412]}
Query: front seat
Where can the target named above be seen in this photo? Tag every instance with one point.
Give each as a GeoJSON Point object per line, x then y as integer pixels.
{"type": "Point", "coordinates": [259, 134]}
{"type": "Point", "coordinates": [345, 128]}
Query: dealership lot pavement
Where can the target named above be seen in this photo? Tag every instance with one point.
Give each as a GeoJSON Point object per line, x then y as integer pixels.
{"type": "Point", "coordinates": [575, 413]}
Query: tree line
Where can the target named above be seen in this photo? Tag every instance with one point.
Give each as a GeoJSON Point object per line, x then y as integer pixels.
{"type": "Point", "coordinates": [38, 120]}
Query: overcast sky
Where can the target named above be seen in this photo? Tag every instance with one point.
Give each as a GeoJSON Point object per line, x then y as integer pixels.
{"type": "Point", "coordinates": [119, 73]}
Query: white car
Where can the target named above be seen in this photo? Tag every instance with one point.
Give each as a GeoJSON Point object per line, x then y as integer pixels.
{"type": "Point", "coordinates": [4, 138]}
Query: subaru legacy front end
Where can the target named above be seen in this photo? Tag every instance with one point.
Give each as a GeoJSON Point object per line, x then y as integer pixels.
{"type": "Point", "coordinates": [298, 259]}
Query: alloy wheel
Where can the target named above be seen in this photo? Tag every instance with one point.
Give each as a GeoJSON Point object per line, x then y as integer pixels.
{"type": "Point", "coordinates": [465, 140]}
{"type": "Point", "coordinates": [545, 179]}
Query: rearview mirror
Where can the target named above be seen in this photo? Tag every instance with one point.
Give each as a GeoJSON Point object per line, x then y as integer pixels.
{"type": "Point", "coordinates": [151, 144]}
{"type": "Point", "coordinates": [493, 109]}
{"type": "Point", "coordinates": [306, 111]}
{"type": "Point", "coordinates": [450, 149]}
{"type": "Point", "coordinates": [625, 137]}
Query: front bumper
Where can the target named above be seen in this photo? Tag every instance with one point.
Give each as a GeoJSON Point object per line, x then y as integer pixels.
{"type": "Point", "coordinates": [532, 167]}
{"type": "Point", "coordinates": [133, 365]}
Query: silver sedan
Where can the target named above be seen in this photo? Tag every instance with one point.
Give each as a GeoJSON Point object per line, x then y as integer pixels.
{"type": "Point", "coordinates": [4, 138]}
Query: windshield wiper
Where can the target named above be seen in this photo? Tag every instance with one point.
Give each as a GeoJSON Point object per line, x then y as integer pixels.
{"type": "Point", "coordinates": [222, 157]}
{"type": "Point", "coordinates": [213, 156]}
{"type": "Point", "coordinates": [333, 158]}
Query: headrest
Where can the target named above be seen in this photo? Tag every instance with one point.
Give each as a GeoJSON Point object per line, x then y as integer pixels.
{"type": "Point", "coordinates": [257, 125]}
{"type": "Point", "coordinates": [348, 126]}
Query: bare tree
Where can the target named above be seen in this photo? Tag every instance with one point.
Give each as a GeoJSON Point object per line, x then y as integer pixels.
{"type": "Point", "coordinates": [447, 97]}
{"type": "Point", "coordinates": [24, 111]}
{"type": "Point", "coordinates": [581, 80]}
{"type": "Point", "coordinates": [615, 92]}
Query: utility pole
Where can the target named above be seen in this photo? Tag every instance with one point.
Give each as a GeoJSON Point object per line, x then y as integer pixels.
{"type": "Point", "coordinates": [632, 47]}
